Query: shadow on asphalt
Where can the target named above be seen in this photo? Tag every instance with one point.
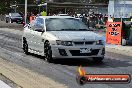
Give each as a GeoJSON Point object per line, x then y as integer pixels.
{"type": "Point", "coordinates": [106, 63]}
{"type": "Point", "coordinates": [114, 63]}
{"type": "Point", "coordinates": [73, 62]}
{"type": "Point", "coordinates": [78, 62]}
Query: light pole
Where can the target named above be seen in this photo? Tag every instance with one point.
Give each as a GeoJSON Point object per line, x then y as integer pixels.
{"type": "Point", "coordinates": [123, 11]}
{"type": "Point", "coordinates": [45, 4]}
{"type": "Point", "coordinates": [15, 6]}
{"type": "Point", "coordinates": [25, 11]}
{"type": "Point", "coordinates": [124, 8]}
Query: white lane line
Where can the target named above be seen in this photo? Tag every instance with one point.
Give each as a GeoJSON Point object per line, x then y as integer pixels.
{"type": "Point", "coordinates": [3, 85]}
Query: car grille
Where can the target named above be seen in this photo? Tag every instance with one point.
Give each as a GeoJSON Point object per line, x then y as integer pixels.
{"type": "Point", "coordinates": [77, 53]}
{"type": "Point", "coordinates": [89, 43]}
{"type": "Point", "coordinates": [84, 43]}
{"type": "Point", "coordinates": [78, 43]}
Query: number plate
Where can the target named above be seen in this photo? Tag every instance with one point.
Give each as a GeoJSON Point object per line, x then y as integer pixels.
{"type": "Point", "coordinates": [85, 50]}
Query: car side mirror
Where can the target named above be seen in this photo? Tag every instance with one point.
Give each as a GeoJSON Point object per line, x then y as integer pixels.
{"type": "Point", "coordinates": [39, 29]}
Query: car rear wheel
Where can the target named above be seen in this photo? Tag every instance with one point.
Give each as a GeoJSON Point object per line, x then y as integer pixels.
{"type": "Point", "coordinates": [98, 59]}
{"type": "Point", "coordinates": [25, 47]}
{"type": "Point", "coordinates": [6, 21]}
{"type": "Point", "coordinates": [48, 52]}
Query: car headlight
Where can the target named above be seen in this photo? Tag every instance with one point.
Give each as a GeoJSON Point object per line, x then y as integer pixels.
{"type": "Point", "coordinates": [99, 42]}
{"type": "Point", "coordinates": [65, 43]}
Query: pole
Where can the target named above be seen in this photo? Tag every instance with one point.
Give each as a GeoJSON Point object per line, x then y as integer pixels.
{"type": "Point", "coordinates": [39, 9]}
{"type": "Point", "coordinates": [65, 11]}
{"type": "Point", "coordinates": [15, 9]}
{"type": "Point", "coordinates": [25, 11]}
{"type": "Point", "coordinates": [124, 8]}
{"type": "Point", "coordinates": [46, 10]}
{"type": "Point", "coordinates": [123, 14]}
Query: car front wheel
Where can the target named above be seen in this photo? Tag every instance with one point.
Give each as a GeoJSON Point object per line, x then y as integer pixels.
{"type": "Point", "coordinates": [6, 21]}
{"type": "Point", "coordinates": [48, 52]}
{"type": "Point", "coordinates": [25, 47]}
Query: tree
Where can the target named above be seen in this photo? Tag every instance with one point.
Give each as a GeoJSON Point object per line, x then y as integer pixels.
{"type": "Point", "coordinates": [5, 4]}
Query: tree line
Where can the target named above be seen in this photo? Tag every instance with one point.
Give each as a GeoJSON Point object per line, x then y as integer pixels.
{"type": "Point", "coordinates": [5, 5]}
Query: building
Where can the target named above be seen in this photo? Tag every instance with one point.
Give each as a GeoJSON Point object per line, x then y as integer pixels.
{"type": "Point", "coordinates": [120, 9]}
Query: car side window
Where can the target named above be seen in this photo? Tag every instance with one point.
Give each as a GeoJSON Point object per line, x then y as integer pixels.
{"type": "Point", "coordinates": [40, 20]}
{"type": "Point", "coordinates": [39, 23]}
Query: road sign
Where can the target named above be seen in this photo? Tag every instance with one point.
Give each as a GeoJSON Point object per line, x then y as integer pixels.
{"type": "Point", "coordinates": [113, 33]}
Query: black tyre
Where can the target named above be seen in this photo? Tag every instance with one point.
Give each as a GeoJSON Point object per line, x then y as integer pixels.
{"type": "Point", "coordinates": [98, 59]}
{"type": "Point", "coordinates": [48, 52]}
{"type": "Point", "coordinates": [6, 21]}
{"type": "Point", "coordinates": [25, 47]}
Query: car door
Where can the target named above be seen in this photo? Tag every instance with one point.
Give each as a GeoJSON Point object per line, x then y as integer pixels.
{"type": "Point", "coordinates": [30, 34]}
{"type": "Point", "coordinates": [38, 40]}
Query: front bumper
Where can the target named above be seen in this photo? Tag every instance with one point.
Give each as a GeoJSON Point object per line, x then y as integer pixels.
{"type": "Point", "coordinates": [17, 20]}
{"type": "Point", "coordinates": [59, 51]}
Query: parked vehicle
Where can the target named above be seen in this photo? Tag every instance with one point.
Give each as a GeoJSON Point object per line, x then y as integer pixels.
{"type": "Point", "coordinates": [14, 17]}
{"type": "Point", "coordinates": [63, 15]}
{"type": "Point", "coordinates": [62, 37]}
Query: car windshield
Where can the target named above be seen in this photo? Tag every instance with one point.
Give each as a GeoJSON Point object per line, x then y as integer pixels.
{"type": "Point", "coordinates": [65, 24]}
{"type": "Point", "coordinates": [15, 15]}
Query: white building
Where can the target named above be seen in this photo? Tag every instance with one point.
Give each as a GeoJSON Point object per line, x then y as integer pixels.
{"type": "Point", "coordinates": [120, 8]}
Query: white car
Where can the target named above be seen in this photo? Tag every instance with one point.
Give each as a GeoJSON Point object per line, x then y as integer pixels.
{"type": "Point", "coordinates": [62, 37]}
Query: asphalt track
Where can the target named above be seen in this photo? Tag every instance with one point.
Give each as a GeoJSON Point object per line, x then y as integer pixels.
{"type": "Point", "coordinates": [63, 70]}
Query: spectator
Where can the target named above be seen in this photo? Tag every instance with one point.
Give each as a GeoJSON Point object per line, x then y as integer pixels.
{"type": "Point", "coordinates": [43, 13]}
{"type": "Point", "coordinates": [84, 19]}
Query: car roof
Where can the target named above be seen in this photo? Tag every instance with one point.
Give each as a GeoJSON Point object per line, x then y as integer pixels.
{"type": "Point", "coordinates": [63, 15]}
{"type": "Point", "coordinates": [46, 17]}
{"type": "Point", "coordinates": [14, 13]}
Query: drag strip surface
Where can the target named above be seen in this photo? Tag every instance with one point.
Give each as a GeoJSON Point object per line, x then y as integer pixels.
{"type": "Point", "coordinates": [64, 70]}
